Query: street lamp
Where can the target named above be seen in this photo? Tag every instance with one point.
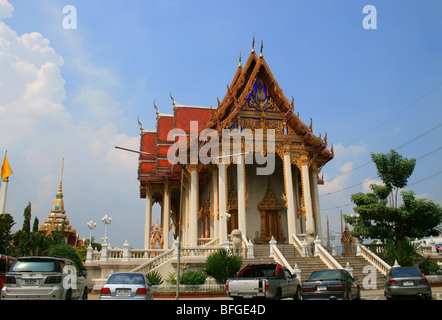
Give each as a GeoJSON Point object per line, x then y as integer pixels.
{"type": "Point", "coordinates": [91, 225]}
{"type": "Point", "coordinates": [106, 220]}
{"type": "Point", "coordinates": [227, 215]}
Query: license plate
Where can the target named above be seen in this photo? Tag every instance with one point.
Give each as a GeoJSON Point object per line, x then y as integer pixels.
{"type": "Point", "coordinates": [408, 283]}
{"type": "Point", "coordinates": [321, 288]}
{"type": "Point", "coordinates": [123, 292]}
{"type": "Point", "coordinates": [31, 282]}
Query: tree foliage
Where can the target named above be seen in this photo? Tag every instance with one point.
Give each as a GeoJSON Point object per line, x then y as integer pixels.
{"type": "Point", "coordinates": [6, 223]}
{"type": "Point", "coordinates": [222, 265]}
{"type": "Point", "coordinates": [378, 214]}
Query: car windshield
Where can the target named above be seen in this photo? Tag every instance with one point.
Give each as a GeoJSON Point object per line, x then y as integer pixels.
{"type": "Point", "coordinates": [258, 271]}
{"type": "Point", "coordinates": [126, 278]}
{"type": "Point", "coordinates": [326, 274]}
{"type": "Point", "coordinates": [405, 272]}
{"type": "Point", "coordinates": [35, 265]}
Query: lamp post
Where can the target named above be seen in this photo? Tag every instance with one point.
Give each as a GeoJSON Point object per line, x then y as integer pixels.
{"type": "Point", "coordinates": [91, 225]}
{"type": "Point", "coordinates": [106, 220]}
{"type": "Point", "coordinates": [181, 208]}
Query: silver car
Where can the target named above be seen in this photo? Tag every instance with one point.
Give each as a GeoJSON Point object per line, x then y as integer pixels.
{"type": "Point", "coordinates": [406, 282]}
{"type": "Point", "coordinates": [127, 286]}
{"type": "Point", "coordinates": [44, 278]}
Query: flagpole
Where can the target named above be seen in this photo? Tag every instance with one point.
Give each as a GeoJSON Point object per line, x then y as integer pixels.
{"type": "Point", "coordinates": [3, 190]}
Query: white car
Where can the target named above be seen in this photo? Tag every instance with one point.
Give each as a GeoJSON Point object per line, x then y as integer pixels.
{"type": "Point", "coordinates": [127, 286]}
{"type": "Point", "coordinates": [44, 278]}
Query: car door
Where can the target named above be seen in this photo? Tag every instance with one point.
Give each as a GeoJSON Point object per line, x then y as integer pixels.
{"type": "Point", "coordinates": [352, 284]}
{"type": "Point", "coordinates": [291, 282]}
{"type": "Point", "coordinates": [74, 280]}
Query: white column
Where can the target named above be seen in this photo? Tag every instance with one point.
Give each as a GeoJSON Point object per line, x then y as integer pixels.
{"type": "Point", "coordinates": [291, 215]}
{"type": "Point", "coordinates": [193, 207]}
{"type": "Point", "coordinates": [166, 215]}
{"type": "Point", "coordinates": [241, 196]}
{"type": "Point", "coordinates": [315, 196]}
{"type": "Point", "coordinates": [148, 213]}
{"type": "Point", "coordinates": [222, 203]}
{"type": "Point", "coordinates": [215, 205]}
{"type": "Point", "coordinates": [3, 191]}
{"type": "Point", "coordinates": [310, 228]}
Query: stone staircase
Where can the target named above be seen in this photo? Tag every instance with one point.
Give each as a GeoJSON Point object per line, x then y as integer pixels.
{"type": "Point", "coordinates": [309, 264]}
{"type": "Point", "coordinates": [358, 263]}
{"type": "Point", "coordinates": [306, 264]}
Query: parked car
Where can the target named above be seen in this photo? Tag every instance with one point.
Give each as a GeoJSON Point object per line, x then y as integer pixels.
{"type": "Point", "coordinates": [406, 282]}
{"type": "Point", "coordinates": [264, 281]}
{"type": "Point", "coordinates": [44, 278]}
{"type": "Point", "coordinates": [127, 286]}
{"type": "Point", "coordinates": [6, 263]}
{"type": "Point", "coordinates": [331, 284]}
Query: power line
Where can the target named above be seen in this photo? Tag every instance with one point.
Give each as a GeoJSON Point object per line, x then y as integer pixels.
{"type": "Point", "coordinates": [411, 184]}
{"type": "Point", "coordinates": [355, 185]}
{"type": "Point", "coordinates": [396, 114]}
{"type": "Point", "coordinates": [397, 148]}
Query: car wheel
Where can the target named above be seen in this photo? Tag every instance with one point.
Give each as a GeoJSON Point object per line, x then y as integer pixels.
{"type": "Point", "coordinates": [84, 297]}
{"type": "Point", "coordinates": [358, 296]}
{"type": "Point", "coordinates": [277, 295]}
{"type": "Point", "coordinates": [298, 295]}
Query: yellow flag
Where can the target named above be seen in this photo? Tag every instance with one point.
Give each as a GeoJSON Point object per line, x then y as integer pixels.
{"type": "Point", "coordinates": [6, 169]}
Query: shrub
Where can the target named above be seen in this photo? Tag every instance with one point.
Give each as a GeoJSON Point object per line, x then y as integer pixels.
{"type": "Point", "coordinates": [429, 267]}
{"type": "Point", "coordinates": [404, 253]}
{"type": "Point", "coordinates": [193, 278]}
{"type": "Point", "coordinates": [154, 277]}
{"type": "Point", "coordinates": [172, 278]}
{"type": "Point", "coordinates": [222, 265]}
{"type": "Point", "coordinates": [68, 252]}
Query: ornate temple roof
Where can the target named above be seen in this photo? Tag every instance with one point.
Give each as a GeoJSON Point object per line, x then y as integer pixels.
{"type": "Point", "coordinates": [252, 91]}
{"type": "Point", "coordinates": [57, 218]}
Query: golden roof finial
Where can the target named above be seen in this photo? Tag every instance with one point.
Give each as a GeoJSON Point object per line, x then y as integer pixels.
{"type": "Point", "coordinates": [260, 53]}
{"type": "Point", "coordinates": [155, 106]}
{"type": "Point", "coordinates": [61, 176]}
{"type": "Point", "coordinates": [239, 65]}
{"type": "Point", "coordinates": [253, 44]}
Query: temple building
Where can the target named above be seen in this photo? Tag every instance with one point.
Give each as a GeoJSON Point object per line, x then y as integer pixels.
{"type": "Point", "coordinates": [57, 219]}
{"type": "Point", "coordinates": [265, 184]}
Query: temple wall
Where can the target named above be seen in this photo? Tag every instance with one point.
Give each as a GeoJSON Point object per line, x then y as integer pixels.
{"type": "Point", "coordinates": [256, 190]}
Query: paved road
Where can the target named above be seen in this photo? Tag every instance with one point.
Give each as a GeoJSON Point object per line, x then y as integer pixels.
{"type": "Point", "coordinates": [365, 295]}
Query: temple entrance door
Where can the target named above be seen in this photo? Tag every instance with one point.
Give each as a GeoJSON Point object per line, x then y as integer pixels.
{"type": "Point", "coordinates": [272, 225]}
{"type": "Point", "coordinates": [232, 223]}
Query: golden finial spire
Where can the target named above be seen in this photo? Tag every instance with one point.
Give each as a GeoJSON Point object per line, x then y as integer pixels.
{"type": "Point", "coordinates": [239, 65]}
{"type": "Point", "coordinates": [155, 106]}
{"type": "Point", "coordinates": [260, 53]}
{"type": "Point", "coordinates": [61, 176]}
{"type": "Point", "coordinates": [58, 203]}
{"type": "Point", "coordinates": [253, 44]}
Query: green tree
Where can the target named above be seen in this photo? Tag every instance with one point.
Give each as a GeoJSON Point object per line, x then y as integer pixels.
{"type": "Point", "coordinates": [222, 265]}
{"type": "Point", "coordinates": [25, 234]}
{"type": "Point", "coordinates": [376, 219]}
{"type": "Point", "coordinates": [6, 223]}
{"type": "Point", "coordinates": [394, 170]}
{"type": "Point", "coordinates": [66, 251]}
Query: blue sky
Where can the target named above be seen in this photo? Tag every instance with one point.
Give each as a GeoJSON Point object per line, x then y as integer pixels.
{"type": "Point", "coordinates": [77, 93]}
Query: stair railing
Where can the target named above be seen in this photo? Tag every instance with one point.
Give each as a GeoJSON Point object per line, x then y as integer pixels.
{"type": "Point", "coordinates": [380, 264]}
{"type": "Point", "coordinates": [278, 256]}
{"type": "Point", "coordinates": [326, 257]}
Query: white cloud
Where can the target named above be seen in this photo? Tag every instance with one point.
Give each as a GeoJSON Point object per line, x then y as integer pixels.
{"type": "Point", "coordinates": [38, 130]}
{"type": "Point", "coordinates": [5, 9]}
{"type": "Point", "coordinates": [369, 181]}
{"type": "Point", "coordinates": [343, 153]}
